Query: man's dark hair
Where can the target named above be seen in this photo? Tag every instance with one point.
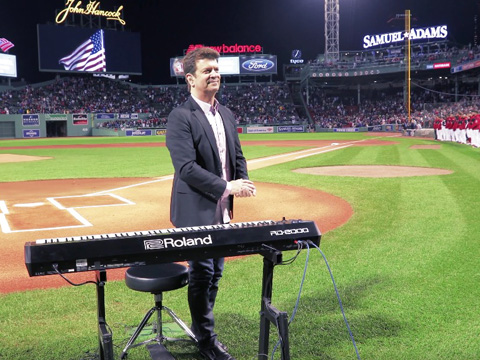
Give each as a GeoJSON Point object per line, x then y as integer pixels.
{"type": "Point", "coordinates": [190, 60]}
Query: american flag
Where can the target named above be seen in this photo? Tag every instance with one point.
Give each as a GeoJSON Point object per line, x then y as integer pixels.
{"type": "Point", "coordinates": [89, 56]}
{"type": "Point", "coordinates": [5, 45]}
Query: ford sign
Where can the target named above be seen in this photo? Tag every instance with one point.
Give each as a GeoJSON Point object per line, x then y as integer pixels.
{"type": "Point", "coordinates": [258, 65]}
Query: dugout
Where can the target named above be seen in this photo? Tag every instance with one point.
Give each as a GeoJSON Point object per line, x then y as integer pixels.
{"type": "Point", "coordinates": [56, 128]}
{"type": "Point", "coordinates": [28, 126]}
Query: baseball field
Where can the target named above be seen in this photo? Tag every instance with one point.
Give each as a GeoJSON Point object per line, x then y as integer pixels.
{"type": "Point", "coordinates": [400, 231]}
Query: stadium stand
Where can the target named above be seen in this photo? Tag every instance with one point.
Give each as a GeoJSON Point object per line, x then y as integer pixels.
{"type": "Point", "coordinates": [275, 103]}
{"type": "Point", "coordinates": [254, 103]}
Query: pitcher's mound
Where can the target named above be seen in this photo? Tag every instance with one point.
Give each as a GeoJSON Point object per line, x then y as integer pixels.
{"type": "Point", "coordinates": [8, 158]}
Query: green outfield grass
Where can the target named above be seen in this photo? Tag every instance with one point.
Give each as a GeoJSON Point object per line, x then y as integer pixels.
{"type": "Point", "coordinates": [406, 264]}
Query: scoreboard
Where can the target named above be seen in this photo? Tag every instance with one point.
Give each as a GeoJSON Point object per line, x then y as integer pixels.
{"type": "Point", "coordinates": [122, 48]}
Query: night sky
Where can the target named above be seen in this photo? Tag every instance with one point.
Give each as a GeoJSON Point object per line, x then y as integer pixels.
{"type": "Point", "coordinates": [167, 28]}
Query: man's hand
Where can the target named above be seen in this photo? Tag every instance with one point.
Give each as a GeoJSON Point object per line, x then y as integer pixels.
{"type": "Point", "coordinates": [243, 188]}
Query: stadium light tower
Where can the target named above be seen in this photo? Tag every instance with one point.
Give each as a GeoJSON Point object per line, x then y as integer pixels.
{"type": "Point", "coordinates": [332, 25]}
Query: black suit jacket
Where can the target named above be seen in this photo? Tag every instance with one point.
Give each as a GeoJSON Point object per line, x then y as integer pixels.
{"type": "Point", "coordinates": [197, 184]}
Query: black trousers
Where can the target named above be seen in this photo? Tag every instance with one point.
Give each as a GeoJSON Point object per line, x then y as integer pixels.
{"type": "Point", "coordinates": [204, 276]}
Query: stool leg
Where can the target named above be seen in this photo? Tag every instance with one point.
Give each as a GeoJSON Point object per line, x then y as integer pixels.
{"type": "Point", "coordinates": [139, 330]}
{"type": "Point", "coordinates": [158, 304]}
{"type": "Point", "coordinates": [180, 323]}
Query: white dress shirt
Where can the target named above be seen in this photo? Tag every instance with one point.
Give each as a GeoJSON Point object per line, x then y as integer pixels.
{"type": "Point", "coordinates": [215, 120]}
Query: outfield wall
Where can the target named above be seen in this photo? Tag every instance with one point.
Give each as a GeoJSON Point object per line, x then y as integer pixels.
{"type": "Point", "coordinates": [23, 126]}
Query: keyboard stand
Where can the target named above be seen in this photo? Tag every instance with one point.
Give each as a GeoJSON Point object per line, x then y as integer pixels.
{"type": "Point", "coordinates": [269, 313]}
{"type": "Point", "coordinates": [104, 334]}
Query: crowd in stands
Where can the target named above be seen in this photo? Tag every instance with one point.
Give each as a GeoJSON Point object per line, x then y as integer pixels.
{"type": "Point", "coordinates": [260, 104]}
{"type": "Point", "coordinates": [120, 124]}
{"type": "Point", "coordinates": [76, 95]}
{"type": "Point", "coordinates": [265, 104]}
{"type": "Point", "coordinates": [160, 99]}
{"type": "Point", "coordinates": [395, 56]}
{"type": "Point", "coordinates": [378, 107]}
{"type": "Point", "coordinates": [336, 111]}
{"type": "Point", "coordinates": [255, 103]}
{"type": "Point", "coordinates": [252, 103]}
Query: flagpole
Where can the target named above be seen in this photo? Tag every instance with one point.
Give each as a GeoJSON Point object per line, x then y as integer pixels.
{"type": "Point", "coordinates": [407, 69]}
{"type": "Point", "coordinates": [103, 48]}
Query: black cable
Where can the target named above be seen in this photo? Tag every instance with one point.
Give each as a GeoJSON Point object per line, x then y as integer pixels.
{"type": "Point", "coordinates": [295, 308]}
{"type": "Point", "coordinates": [307, 244]}
{"type": "Point", "coordinates": [55, 267]}
{"type": "Point", "coordinates": [302, 282]}
{"type": "Point", "coordinates": [294, 257]}
{"type": "Point", "coordinates": [338, 297]}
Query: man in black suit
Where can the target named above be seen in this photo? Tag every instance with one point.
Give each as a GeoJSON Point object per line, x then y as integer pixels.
{"type": "Point", "coordinates": [210, 170]}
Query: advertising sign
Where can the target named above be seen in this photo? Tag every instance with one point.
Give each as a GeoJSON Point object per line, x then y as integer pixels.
{"type": "Point", "coordinates": [291, 129]}
{"type": "Point", "coordinates": [228, 65]}
{"type": "Point", "coordinates": [56, 117]}
{"type": "Point", "coordinates": [433, 32]}
{"type": "Point", "coordinates": [92, 8]}
{"type": "Point", "coordinates": [444, 65]}
{"type": "Point", "coordinates": [30, 120]}
{"type": "Point", "coordinates": [31, 133]}
{"type": "Point", "coordinates": [128, 116]}
{"type": "Point", "coordinates": [80, 119]}
{"type": "Point", "coordinates": [235, 65]}
{"type": "Point", "coordinates": [465, 66]}
{"type": "Point", "coordinates": [105, 116]}
{"type": "Point", "coordinates": [138, 132]}
{"type": "Point", "coordinates": [8, 65]}
{"type": "Point", "coordinates": [229, 49]}
{"type": "Point", "coordinates": [260, 130]}
{"type": "Point", "coordinates": [296, 57]}
{"type": "Point", "coordinates": [258, 65]}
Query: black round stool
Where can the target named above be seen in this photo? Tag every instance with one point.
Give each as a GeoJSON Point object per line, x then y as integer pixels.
{"type": "Point", "coordinates": [157, 279]}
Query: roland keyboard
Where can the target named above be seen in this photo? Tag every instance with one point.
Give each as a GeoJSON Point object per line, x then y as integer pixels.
{"type": "Point", "coordinates": [116, 250]}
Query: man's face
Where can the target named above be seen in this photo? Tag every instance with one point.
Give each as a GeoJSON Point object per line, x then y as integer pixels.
{"type": "Point", "coordinates": [206, 80]}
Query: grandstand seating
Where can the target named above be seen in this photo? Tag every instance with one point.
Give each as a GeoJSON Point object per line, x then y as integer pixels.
{"type": "Point", "coordinates": [270, 103]}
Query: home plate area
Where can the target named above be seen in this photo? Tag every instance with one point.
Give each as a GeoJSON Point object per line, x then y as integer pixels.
{"type": "Point", "coordinates": [55, 212]}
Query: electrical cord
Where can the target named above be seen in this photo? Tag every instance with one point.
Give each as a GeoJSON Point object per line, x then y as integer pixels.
{"type": "Point", "coordinates": [307, 244]}
{"type": "Point", "coordinates": [294, 257]}
{"type": "Point", "coordinates": [295, 308]}
{"type": "Point", "coordinates": [338, 297]}
{"type": "Point", "coordinates": [297, 302]}
{"type": "Point", "coordinates": [301, 245]}
{"type": "Point", "coordinates": [55, 267]}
